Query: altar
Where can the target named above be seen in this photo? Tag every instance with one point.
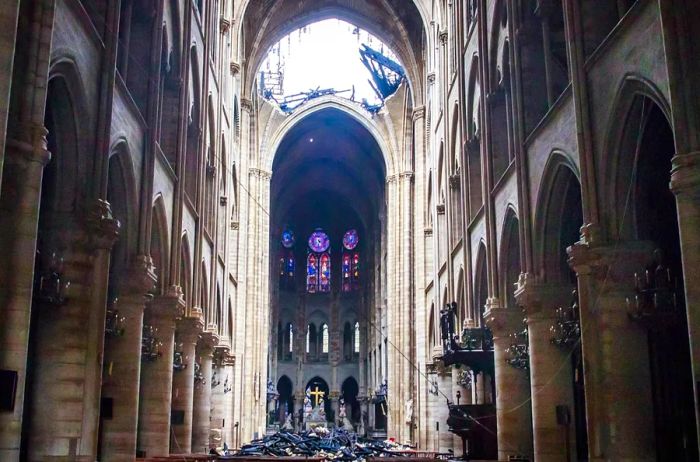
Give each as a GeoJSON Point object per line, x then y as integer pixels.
{"type": "Point", "coordinates": [314, 415]}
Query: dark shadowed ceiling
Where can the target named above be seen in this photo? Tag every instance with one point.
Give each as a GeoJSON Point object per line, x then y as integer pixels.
{"type": "Point", "coordinates": [335, 182]}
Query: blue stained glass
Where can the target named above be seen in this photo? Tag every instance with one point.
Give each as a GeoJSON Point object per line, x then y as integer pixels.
{"type": "Point", "coordinates": [318, 241]}
{"type": "Point", "coordinates": [351, 239]}
{"type": "Point", "coordinates": [288, 238]}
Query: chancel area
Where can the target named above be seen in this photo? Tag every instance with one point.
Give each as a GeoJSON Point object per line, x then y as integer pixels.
{"type": "Point", "coordinates": [471, 227]}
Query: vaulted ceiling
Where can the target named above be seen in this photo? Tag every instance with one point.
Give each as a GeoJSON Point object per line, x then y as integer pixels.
{"type": "Point", "coordinates": [328, 172]}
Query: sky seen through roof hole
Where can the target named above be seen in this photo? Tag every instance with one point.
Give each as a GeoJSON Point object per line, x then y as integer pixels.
{"type": "Point", "coordinates": [323, 55]}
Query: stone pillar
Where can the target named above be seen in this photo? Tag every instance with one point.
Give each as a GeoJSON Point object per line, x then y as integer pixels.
{"type": "Point", "coordinates": [120, 385]}
{"type": "Point", "coordinates": [550, 372]}
{"type": "Point", "coordinates": [218, 408]}
{"type": "Point", "coordinates": [513, 412]}
{"type": "Point", "coordinates": [445, 438]}
{"type": "Point", "coordinates": [334, 398]}
{"type": "Point", "coordinates": [685, 184]}
{"type": "Point", "coordinates": [228, 363]}
{"type": "Point", "coordinates": [201, 412]}
{"type": "Point", "coordinates": [187, 334]}
{"type": "Point", "coordinates": [618, 386]}
{"type": "Point", "coordinates": [19, 217]}
{"type": "Point", "coordinates": [157, 376]}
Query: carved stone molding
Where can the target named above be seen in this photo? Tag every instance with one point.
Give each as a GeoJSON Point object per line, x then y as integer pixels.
{"type": "Point", "coordinates": [235, 68]}
{"type": "Point", "coordinates": [224, 24]}
{"type": "Point", "coordinates": [454, 181]}
{"type": "Point", "coordinates": [246, 104]}
{"type": "Point", "coordinates": [260, 173]}
{"type": "Point", "coordinates": [139, 279]}
{"type": "Point", "coordinates": [418, 113]}
{"type": "Point", "coordinates": [685, 173]}
{"type": "Point", "coordinates": [431, 77]}
{"type": "Point", "coordinates": [428, 231]}
{"type": "Point", "coordinates": [440, 209]}
{"type": "Point", "coordinates": [31, 145]}
{"type": "Point", "coordinates": [103, 228]}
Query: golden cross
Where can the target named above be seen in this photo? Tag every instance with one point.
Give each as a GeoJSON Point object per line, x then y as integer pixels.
{"type": "Point", "coordinates": [316, 394]}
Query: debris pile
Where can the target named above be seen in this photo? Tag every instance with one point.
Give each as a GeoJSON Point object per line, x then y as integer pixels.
{"type": "Point", "coordinates": [336, 444]}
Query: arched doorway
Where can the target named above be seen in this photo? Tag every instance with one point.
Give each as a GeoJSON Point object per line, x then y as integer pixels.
{"type": "Point", "coordinates": [285, 402]}
{"type": "Point", "coordinates": [644, 167]}
{"type": "Point", "coordinates": [349, 391]}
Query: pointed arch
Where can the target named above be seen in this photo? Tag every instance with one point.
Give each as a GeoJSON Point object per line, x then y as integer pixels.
{"type": "Point", "coordinates": [481, 291]}
{"type": "Point", "coordinates": [633, 104]}
{"type": "Point", "coordinates": [160, 243]}
{"type": "Point", "coordinates": [509, 261]}
{"type": "Point", "coordinates": [185, 270]}
{"type": "Point", "coordinates": [204, 294]}
{"type": "Point", "coordinates": [121, 194]}
{"type": "Point", "coordinates": [558, 217]}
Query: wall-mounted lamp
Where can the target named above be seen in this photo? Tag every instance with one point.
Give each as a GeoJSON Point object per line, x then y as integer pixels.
{"type": "Point", "coordinates": [51, 285]}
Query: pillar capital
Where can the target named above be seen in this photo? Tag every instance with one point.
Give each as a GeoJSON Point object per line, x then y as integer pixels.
{"type": "Point", "coordinates": [30, 146]}
{"type": "Point", "coordinates": [102, 227]}
{"type": "Point", "coordinates": [207, 342]}
{"type": "Point", "coordinates": [139, 279]}
{"type": "Point", "coordinates": [685, 174]}
{"type": "Point", "coordinates": [503, 321]}
{"type": "Point", "coordinates": [169, 306]}
{"type": "Point", "coordinates": [614, 264]}
{"type": "Point", "coordinates": [223, 356]}
{"type": "Point", "coordinates": [541, 299]}
{"type": "Point", "coordinates": [188, 329]}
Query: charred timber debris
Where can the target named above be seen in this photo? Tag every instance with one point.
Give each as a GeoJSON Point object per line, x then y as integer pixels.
{"type": "Point", "coordinates": [335, 444]}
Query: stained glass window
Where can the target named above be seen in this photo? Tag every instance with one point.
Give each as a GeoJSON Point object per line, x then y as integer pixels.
{"type": "Point", "coordinates": [287, 263]}
{"type": "Point", "coordinates": [312, 273]}
{"type": "Point", "coordinates": [318, 241]}
{"type": "Point", "coordinates": [325, 274]}
{"type": "Point", "coordinates": [350, 261]}
{"type": "Point", "coordinates": [351, 239]}
{"type": "Point", "coordinates": [318, 264]}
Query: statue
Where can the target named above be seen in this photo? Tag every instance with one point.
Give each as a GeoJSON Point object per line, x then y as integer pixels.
{"type": "Point", "coordinates": [383, 388]}
{"type": "Point", "coordinates": [408, 411]}
{"type": "Point", "coordinates": [288, 425]}
{"type": "Point", "coordinates": [307, 406]}
{"type": "Point", "coordinates": [341, 408]}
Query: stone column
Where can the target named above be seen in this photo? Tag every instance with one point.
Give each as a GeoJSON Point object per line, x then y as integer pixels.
{"type": "Point", "coordinates": [513, 413]}
{"type": "Point", "coordinates": [218, 415]}
{"type": "Point", "coordinates": [334, 398]}
{"type": "Point", "coordinates": [618, 386]}
{"type": "Point", "coordinates": [201, 412]}
{"type": "Point", "coordinates": [228, 363]}
{"type": "Point", "coordinates": [187, 334]}
{"type": "Point", "coordinates": [157, 376]}
{"type": "Point", "coordinates": [550, 372]}
{"type": "Point", "coordinates": [19, 217]}
{"type": "Point", "coordinates": [685, 184]}
{"type": "Point", "coordinates": [120, 385]}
